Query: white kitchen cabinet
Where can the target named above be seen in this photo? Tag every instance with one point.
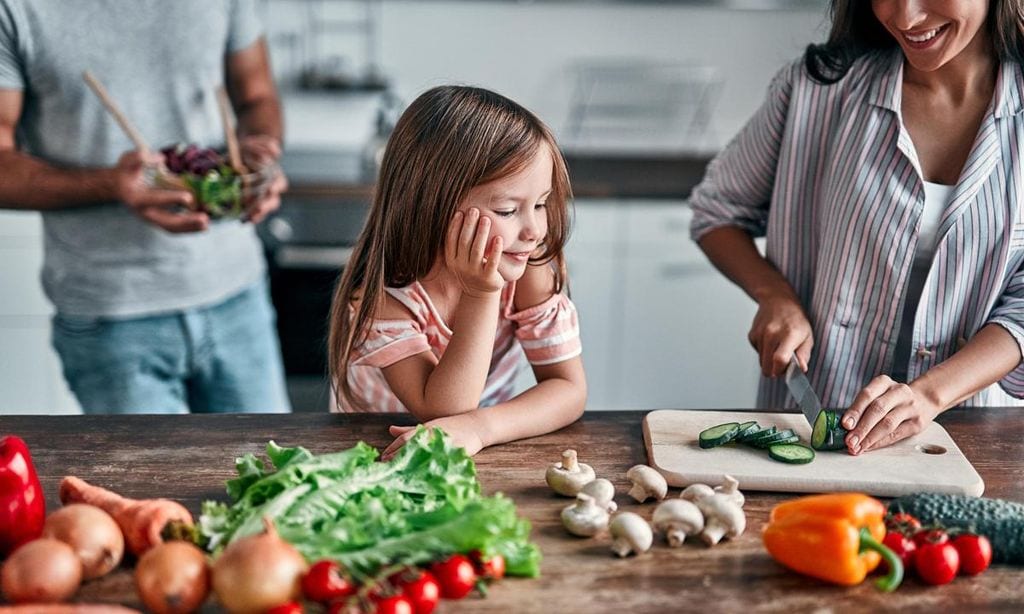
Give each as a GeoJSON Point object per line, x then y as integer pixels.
{"type": "Point", "coordinates": [30, 372]}
{"type": "Point", "coordinates": [660, 326]}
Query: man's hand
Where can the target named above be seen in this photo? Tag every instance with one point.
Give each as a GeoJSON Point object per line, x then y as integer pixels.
{"type": "Point", "coordinates": [261, 152]}
{"type": "Point", "coordinates": [170, 209]}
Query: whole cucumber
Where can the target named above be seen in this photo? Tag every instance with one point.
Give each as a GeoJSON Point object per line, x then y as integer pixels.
{"type": "Point", "coordinates": [1002, 522]}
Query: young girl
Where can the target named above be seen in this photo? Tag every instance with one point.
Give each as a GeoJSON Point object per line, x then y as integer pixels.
{"type": "Point", "coordinates": [458, 271]}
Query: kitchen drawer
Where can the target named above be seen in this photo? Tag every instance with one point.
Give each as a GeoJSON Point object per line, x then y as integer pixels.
{"type": "Point", "coordinates": [20, 224]}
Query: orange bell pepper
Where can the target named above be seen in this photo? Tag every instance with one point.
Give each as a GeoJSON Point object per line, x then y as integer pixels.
{"type": "Point", "coordinates": [834, 537]}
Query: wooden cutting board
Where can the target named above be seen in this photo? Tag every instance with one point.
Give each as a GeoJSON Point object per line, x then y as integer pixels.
{"type": "Point", "coordinates": [930, 461]}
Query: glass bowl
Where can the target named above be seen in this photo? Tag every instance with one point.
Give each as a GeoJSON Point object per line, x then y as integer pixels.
{"type": "Point", "coordinates": [221, 193]}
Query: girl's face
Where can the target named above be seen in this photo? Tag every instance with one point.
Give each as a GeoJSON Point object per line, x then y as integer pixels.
{"type": "Point", "coordinates": [517, 208]}
{"type": "Point", "coordinates": [932, 32]}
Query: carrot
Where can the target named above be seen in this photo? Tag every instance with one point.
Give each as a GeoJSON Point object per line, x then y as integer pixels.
{"type": "Point", "coordinates": [141, 520]}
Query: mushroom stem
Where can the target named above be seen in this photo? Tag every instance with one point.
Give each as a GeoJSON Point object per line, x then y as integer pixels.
{"type": "Point", "coordinates": [569, 460]}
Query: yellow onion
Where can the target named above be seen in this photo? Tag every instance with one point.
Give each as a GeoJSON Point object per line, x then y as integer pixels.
{"type": "Point", "coordinates": [91, 533]}
{"type": "Point", "coordinates": [173, 578]}
{"type": "Point", "coordinates": [258, 572]}
{"type": "Point", "coordinates": [44, 570]}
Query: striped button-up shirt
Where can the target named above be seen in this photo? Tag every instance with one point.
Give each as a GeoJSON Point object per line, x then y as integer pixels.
{"type": "Point", "coordinates": [829, 175]}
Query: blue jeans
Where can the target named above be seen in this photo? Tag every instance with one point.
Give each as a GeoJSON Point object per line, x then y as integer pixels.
{"type": "Point", "coordinates": [217, 359]}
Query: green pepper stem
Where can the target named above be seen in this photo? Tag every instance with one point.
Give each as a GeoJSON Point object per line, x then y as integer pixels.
{"type": "Point", "coordinates": [891, 580]}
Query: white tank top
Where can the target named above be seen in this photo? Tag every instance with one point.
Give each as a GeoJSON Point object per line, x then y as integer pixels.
{"type": "Point", "coordinates": [936, 197]}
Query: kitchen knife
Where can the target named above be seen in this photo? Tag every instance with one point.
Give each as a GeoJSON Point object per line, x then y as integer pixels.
{"type": "Point", "coordinates": [800, 387]}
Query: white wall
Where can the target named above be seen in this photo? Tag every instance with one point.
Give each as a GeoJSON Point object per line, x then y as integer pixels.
{"type": "Point", "coordinates": [523, 49]}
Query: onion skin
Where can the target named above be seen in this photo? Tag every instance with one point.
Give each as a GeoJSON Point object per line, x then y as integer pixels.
{"type": "Point", "coordinates": [258, 572]}
{"type": "Point", "coordinates": [173, 578]}
{"type": "Point", "coordinates": [44, 570]}
{"type": "Point", "coordinates": [91, 533]}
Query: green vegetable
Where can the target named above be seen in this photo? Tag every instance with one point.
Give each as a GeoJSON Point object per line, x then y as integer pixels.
{"type": "Point", "coordinates": [793, 453]}
{"type": "Point", "coordinates": [218, 192]}
{"type": "Point", "coordinates": [422, 505]}
{"type": "Point", "coordinates": [718, 435]}
{"type": "Point", "coordinates": [1002, 522]}
{"type": "Point", "coordinates": [828, 433]}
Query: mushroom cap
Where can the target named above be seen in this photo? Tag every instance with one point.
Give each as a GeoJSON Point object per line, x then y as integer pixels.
{"type": "Point", "coordinates": [602, 491]}
{"type": "Point", "coordinates": [631, 533]}
{"type": "Point", "coordinates": [585, 517]}
{"type": "Point", "coordinates": [696, 491]}
{"type": "Point", "coordinates": [566, 482]}
{"type": "Point", "coordinates": [649, 480]}
{"type": "Point", "coordinates": [678, 513]}
{"type": "Point", "coordinates": [722, 511]}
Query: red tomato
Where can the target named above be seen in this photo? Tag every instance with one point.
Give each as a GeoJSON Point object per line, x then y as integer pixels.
{"type": "Point", "coordinates": [903, 546]}
{"type": "Point", "coordinates": [975, 553]}
{"type": "Point", "coordinates": [492, 568]}
{"type": "Point", "coordinates": [455, 575]}
{"type": "Point", "coordinates": [288, 608]}
{"type": "Point", "coordinates": [422, 591]}
{"type": "Point", "coordinates": [936, 563]}
{"type": "Point", "coordinates": [397, 604]}
{"type": "Point", "coordinates": [325, 582]}
{"type": "Point", "coordinates": [930, 536]}
{"type": "Point", "coordinates": [903, 523]}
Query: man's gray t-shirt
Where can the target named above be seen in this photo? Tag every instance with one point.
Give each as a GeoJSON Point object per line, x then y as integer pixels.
{"type": "Point", "coordinates": [162, 62]}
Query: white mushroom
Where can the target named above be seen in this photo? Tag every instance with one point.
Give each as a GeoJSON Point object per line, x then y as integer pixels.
{"type": "Point", "coordinates": [603, 493]}
{"type": "Point", "coordinates": [722, 518]}
{"type": "Point", "coordinates": [731, 489]}
{"type": "Point", "coordinates": [696, 491]}
{"type": "Point", "coordinates": [677, 519]}
{"type": "Point", "coordinates": [585, 517]}
{"type": "Point", "coordinates": [569, 476]}
{"type": "Point", "coordinates": [646, 483]}
{"type": "Point", "coordinates": [630, 533]}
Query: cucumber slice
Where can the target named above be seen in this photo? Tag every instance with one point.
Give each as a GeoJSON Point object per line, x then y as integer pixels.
{"type": "Point", "coordinates": [780, 437]}
{"type": "Point", "coordinates": [718, 435]}
{"type": "Point", "coordinates": [761, 435]}
{"type": "Point", "coordinates": [747, 427]}
{"type": "Point", "coordinates": [792, 453]}
{"type": "Point", "coordinates": [750, 433]}
{"type": "Point", "coordinates": [828, 434]}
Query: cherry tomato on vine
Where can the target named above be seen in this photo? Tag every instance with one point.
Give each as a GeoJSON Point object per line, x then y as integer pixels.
{"type": "Point", "coordinates": [975, 553]}
{"type": "Point", "coordinates": [936, 562]}
{"type": "Point", "coordinates": [396, 604]}
{"type": "Point", "coordinates": [291, 607]}
{"type": "Point", "coordinates": [930, 536]}
{"type": "Point", "coordinates": [455, 575]}
{"type": "Point", "coordinates": [903, 546]}
{"type": "Point", "coordinates": [492, 568]}
{"type": "Point", "coordinates": [325, 582]}
{"type": "Point", "coordinates": [421, 589]}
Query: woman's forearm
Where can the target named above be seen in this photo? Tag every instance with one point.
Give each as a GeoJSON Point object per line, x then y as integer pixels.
{"type": "Point", "coordinates": [987, 358]}
{"type": "Point", "coordinates": [546, 407]}
{"type": "Point", "coordinates": [733, 252]}
{"type": "Point", "coordinates": [457, 382]}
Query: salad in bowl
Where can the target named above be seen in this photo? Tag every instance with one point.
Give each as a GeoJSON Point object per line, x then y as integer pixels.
{"type": "Point", "coordinates": [219, 190]}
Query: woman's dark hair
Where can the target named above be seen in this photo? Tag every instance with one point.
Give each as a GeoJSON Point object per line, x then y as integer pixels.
{"type": "Point", "coordinates": [856, 31]}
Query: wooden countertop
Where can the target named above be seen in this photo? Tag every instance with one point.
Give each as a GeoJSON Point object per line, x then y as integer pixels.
{"type": "Point", "coordinates": [188, 458]}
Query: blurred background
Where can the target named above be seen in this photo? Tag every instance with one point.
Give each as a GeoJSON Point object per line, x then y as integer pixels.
{"type": "Point", "coordinates": [641, 95]}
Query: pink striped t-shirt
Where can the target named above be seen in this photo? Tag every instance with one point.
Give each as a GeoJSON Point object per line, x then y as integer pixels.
{"type": "Point", "coordinates": [548, 333]}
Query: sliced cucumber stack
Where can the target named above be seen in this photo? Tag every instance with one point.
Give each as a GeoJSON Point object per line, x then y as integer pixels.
{"type": "Point", "coordinates": [792, 453]}
{"type": "Point", "coordinates": [718, 435]}
{"type": "Point", "coordinates": [828, 434]}
{"type": "Point", "coordinates": [783, 446]}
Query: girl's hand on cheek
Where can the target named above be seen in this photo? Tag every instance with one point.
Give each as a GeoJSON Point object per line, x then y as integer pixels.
{"type": "Point", "coordinates": [458, 428]}
{"type": "Point", "coordinates": [470, 256]}
{"type": "Point", "coordinates": [885, 412]}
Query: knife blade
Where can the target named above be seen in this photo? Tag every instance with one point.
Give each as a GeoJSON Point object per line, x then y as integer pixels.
{"type": "Point", "coordinates": [800, 387]}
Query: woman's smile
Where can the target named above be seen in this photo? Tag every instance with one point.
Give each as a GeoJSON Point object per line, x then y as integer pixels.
{"type": "Point", "coordinates": [923, 39]}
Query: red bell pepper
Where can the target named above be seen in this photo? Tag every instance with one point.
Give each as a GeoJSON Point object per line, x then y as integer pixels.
{"type": "Point", "coordinates": [22, 505]}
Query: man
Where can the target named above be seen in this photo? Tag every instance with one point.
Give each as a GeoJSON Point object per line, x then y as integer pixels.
{"type": "Point", "coordinates": [159, 309]}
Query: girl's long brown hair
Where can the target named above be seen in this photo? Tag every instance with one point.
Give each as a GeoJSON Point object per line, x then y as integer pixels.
{"type": "Point", "coordinates": [856, 32]}
{"type": "Point", "coordinates": [449, 140]}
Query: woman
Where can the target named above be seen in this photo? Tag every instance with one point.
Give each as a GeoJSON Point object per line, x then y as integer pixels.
{"type": "Point", "coordinates": [883, 170]}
